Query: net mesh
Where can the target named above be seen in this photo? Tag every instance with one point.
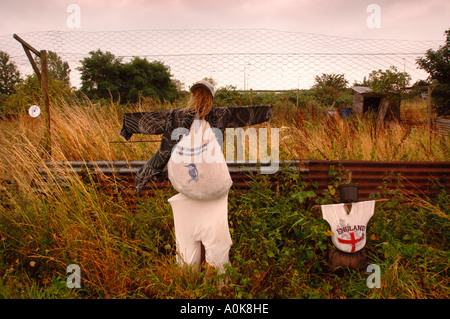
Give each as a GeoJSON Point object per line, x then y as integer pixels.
{"type": "Point", "coordinates": [246, 59]}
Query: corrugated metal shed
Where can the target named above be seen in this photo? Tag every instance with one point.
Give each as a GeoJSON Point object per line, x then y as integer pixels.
{"type": "Point", "coordinates": [365, 100]}
{"type": "Point", "coordinates": [362, 89]}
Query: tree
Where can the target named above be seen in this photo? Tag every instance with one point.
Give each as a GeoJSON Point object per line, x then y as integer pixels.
{"type": "Point", "coordinates": [336, 81]}
{"type": "Point", "coordinates": [21, 93]}
{"type": "Point", "coordinates": [391, 84]}
{"type": "Point", "coordinates": [210, 80]}
{"type": "Point", "coordinates": [147, 79]}
{"type": "Point", "coordinates": [105, 76]}
{"type": "Point", "coordinates": [57, 68]}
{"type": "Point", "coordinates": [29, 92]}
{"type": "Point", "coordinates": [437, 64]}
{"type": "Point", "coordinates": [9, 74]}
{"type": "Point", "coordinates": [179, 85]}
{"type": "Point", "coordinates": [330, 89]}
{"type": "Point", "coordinates": [388, 81]}
{"type": "Point", "coordinates": [100, 74]}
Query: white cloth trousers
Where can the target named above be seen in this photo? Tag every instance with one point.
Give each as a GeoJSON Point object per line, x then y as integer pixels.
{"type": "Point", "coordinates": [201, 222]}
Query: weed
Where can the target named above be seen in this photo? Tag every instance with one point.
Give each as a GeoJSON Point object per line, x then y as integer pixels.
{"type": "Point", "coordinates": [125, 246]}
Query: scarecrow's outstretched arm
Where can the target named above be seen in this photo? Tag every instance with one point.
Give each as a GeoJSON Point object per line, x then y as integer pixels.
{"type": "Point", "coordinates": [164, 122]}
{"type": "Point", "coordinates": [156, 122]}
{"type": "Point", "coordinates": [153, 122]}
{"type": "Point", "coordinates": [249, 115]}
{"type": "Point", "coordinates": [239, 116]}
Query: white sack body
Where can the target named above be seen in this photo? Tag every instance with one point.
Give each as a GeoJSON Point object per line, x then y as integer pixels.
{"type": "Point", "coordinates": [197, 167]}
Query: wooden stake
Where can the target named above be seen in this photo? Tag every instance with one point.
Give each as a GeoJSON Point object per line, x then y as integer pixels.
{"type": "Point", "coordinates": [43, 79]}
{"type": "Point", "coordinates": [33, 63]}
{"type": "Point", "coordinates": [430, 90]}
{"type": "Point", "coordinates": [44, 88]}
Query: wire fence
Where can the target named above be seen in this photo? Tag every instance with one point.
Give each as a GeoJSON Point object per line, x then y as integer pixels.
{"type": "Point", "coordinates": [246, 59]}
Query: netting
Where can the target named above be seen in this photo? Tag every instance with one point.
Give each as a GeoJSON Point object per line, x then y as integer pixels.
{"type": "Point", "coordinates": [247, 59]}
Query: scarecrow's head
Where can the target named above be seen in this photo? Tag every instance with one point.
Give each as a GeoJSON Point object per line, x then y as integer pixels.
{"type": "Point", "coordinates": [202, 98]}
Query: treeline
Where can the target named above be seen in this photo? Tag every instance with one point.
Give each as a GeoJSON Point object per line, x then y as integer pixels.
{"type": "Point", "coordinates": [105, 77]}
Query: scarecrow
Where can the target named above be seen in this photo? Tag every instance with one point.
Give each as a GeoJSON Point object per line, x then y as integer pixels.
{"type": "Point", "coordinates": [349, 227]}
{"type": "Point", "coordinates": [191, 156]}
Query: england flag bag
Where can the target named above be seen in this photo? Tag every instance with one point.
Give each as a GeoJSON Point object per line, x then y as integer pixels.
{"type": "Point", "coordinates": [197, 167]}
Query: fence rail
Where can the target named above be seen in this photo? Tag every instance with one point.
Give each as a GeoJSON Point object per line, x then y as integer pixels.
{"type": "Point", "coordinates": [443, 126]}
{"type": "Point", "coordinates": [417, 178]}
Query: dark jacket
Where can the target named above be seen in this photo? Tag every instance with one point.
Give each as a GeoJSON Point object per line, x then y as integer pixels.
{"type": "Point", "coordinates": [164, 122]}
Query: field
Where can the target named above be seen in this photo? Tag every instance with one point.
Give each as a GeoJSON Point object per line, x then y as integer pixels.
{"type": "Point", "coordinates": [124, 243]}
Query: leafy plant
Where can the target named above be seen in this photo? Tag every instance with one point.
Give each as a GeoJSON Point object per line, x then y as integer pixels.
{"type": "Point", "coordinates": [9, 74]}
{"type": "Point", "coordinates": [437, 64]}
{"type": "Point", "coordinates": [125, 244]}
{"type": "Point", "coordinates": [104, 76]}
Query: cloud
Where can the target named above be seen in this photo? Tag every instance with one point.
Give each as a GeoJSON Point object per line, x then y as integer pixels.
{"type": "Point", "coordinates": [409, 19]}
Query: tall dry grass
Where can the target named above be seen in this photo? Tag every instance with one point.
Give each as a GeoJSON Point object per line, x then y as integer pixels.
{"type": "Point", "coordinates": [47, 225]}
{"type": "Point", "coordinates": [362, 138]}
{"type": "Point", "coordinates": [124, 244]}
{"type": "Point", "coordinates": [83, 131]}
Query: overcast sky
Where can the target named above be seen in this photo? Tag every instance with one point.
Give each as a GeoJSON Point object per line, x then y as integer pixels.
{"type": "Point", "coordinates": [400, 19]}
{"type": "Point", "coordinates": [412, 20]}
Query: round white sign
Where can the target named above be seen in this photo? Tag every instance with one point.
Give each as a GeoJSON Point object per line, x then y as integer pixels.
{"type": "Point", "coordinates": [34, 111]}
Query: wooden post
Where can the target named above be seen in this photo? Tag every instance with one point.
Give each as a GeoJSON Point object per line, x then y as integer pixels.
{"type": "Point", "coordinates": [43, 79]}
{"type": "Point", "coordinates": [46, 100]}
{"type": "Point", "coordinates": [430, 120]}
{"type": "Point", "coordinates": [384, 105]}
{"type": "Point", "coordinates": [33, 63]}
{"type": "Point", "coordinates": [430, 90]}
{"type": "Point", "coordinates": [338, 259]}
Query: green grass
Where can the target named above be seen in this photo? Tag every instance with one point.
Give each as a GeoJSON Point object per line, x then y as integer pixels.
{"type": "Point", "coordinates": [125, 246]}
